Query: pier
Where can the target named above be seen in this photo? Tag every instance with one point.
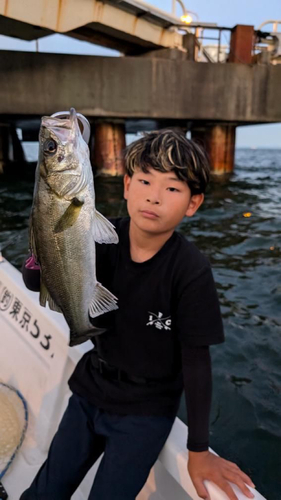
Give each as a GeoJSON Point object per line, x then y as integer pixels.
{"type": "Point", "coordinates": [158, 81]}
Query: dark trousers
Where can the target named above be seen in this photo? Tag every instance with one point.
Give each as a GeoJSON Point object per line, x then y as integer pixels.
{"type": "Point", "coordinates": [131, 446]}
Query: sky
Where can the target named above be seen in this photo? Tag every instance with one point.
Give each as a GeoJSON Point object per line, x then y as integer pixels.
{"type": "Point", "coordinates": [222, 12]}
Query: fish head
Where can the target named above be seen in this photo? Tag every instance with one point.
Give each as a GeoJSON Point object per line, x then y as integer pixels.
{"type": "Point", "coordinates": [64, 159]}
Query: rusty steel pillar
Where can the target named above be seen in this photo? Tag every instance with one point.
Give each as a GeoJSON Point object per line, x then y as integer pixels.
{"type": "Point", "coordinates": [219, 142]}
{"type": "Point", "coordinates": [241, 44]}
{"type": "Point", "coordinates": [109, 143]}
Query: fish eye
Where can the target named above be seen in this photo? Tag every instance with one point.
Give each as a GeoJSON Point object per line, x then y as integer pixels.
{"type": "Point", "coordinates": [50, 147]}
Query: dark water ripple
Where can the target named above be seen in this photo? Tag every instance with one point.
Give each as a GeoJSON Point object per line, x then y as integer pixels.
{"type": "Point", "coordinates": [245, 254]}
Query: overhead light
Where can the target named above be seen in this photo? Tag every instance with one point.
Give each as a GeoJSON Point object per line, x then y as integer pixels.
{"type": "Point", "coordinates": [186, 18]}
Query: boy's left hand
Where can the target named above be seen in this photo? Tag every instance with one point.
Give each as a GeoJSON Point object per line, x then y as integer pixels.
{"type": "Point", "coordinates": [205, 465]}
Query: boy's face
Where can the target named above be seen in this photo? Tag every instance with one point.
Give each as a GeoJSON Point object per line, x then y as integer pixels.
{"type": "Point", "coordinates": [157, 201]}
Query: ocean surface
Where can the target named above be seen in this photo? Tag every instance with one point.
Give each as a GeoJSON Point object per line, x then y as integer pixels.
{"type": "Point", "coordinates": [239, 230]}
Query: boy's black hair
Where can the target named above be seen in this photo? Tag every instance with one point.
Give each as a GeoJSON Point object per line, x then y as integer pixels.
{"type": "Point", "coordinates": [169, 150]}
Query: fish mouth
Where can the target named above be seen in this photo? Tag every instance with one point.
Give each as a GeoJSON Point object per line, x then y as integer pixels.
{"type": "Point", "coordinates": [62, 129]}
{"type": "Point", "coordinates": [63, 125]}
{"type": "Point", "coordinates": [86, 129]}
{"type": "Point", "coordinates": [70, 171]}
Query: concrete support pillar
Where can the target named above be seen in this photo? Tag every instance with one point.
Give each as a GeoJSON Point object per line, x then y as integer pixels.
{"type": "Point", "coordinates": [241, 44]}
{"type": "Point", "coordinates": [16, 150]}
{"type": "Point", "coordinates": [109, 143]}
{"type": "Point", "coordinates": [219, 142]}
{"type": "Point", "coordinates": [4, 146]}
{"type": "Point", "coordinates": [189, 43]}
{"type": "Point", "coordinates": [11, 151]}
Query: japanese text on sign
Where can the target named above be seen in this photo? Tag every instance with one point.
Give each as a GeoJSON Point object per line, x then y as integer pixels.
{"type": "Point", "coordinates": [10, 304]}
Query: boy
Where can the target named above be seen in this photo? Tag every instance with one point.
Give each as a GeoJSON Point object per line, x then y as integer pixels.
{"type": "Point", "coordinates": [127, 390]}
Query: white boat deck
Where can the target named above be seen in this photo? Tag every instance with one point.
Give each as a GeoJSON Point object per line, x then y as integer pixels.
{"type": "Point", "coordinates": [39, 366]}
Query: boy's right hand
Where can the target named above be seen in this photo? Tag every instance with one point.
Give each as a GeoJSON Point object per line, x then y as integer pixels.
{"type": "Point", "coordinates": [205, 465]}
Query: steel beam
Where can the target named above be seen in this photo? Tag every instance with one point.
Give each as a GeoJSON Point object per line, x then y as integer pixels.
{"type": "Point", "coordinates": [118, 21]}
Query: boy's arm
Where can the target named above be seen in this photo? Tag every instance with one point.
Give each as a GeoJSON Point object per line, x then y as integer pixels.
{"type": "Point", "coordinates": [203, 464]}
{"type": "Point", "coordinates": [197, 375]}
{"type": "Point", "coordinates": [199, 323]}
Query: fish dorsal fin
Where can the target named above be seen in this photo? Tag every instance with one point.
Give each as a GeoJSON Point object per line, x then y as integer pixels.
{"type": "Point", "coordinates": [104, 231]}
{"type": "Point", "coordinates": [46, 297]}
{"type": "Point", "coordinates": [102, 301]}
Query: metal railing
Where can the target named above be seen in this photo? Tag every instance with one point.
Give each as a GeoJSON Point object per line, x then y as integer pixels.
{"type": "Point", "coordinates": [266, 46]}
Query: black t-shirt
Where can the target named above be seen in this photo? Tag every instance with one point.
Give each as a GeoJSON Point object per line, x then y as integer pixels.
{"type": "Point", "coordinates": [168, 314]}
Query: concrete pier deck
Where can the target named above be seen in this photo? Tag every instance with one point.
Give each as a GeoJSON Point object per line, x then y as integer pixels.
{"type": "Point", "coordinates": [33, 84]}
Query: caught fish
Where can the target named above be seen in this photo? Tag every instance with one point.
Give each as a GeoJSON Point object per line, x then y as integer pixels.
{"type": "Point", "coordinates": [64, 226]}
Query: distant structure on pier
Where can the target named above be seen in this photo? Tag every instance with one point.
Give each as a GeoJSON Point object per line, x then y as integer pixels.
{"type": "Point", "coordinates": [168, 74]}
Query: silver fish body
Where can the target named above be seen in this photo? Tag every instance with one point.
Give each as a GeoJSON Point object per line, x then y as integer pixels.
{"type": "Point", "coordinates": [64, 227]}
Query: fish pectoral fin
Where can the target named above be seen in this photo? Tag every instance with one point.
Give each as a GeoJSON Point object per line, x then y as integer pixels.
{"type": "Point", "coordinates": [70, 216]}
{"type": "Point", "coordinates": [104, 231]}
{"type": "Point", "coordinates": [102, 301]}
{"type": "Point", "coordinates": [46, 297]}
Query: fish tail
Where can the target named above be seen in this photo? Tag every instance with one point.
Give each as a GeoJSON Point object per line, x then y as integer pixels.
{"type": "Point", "coordinates": [76, 339]}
